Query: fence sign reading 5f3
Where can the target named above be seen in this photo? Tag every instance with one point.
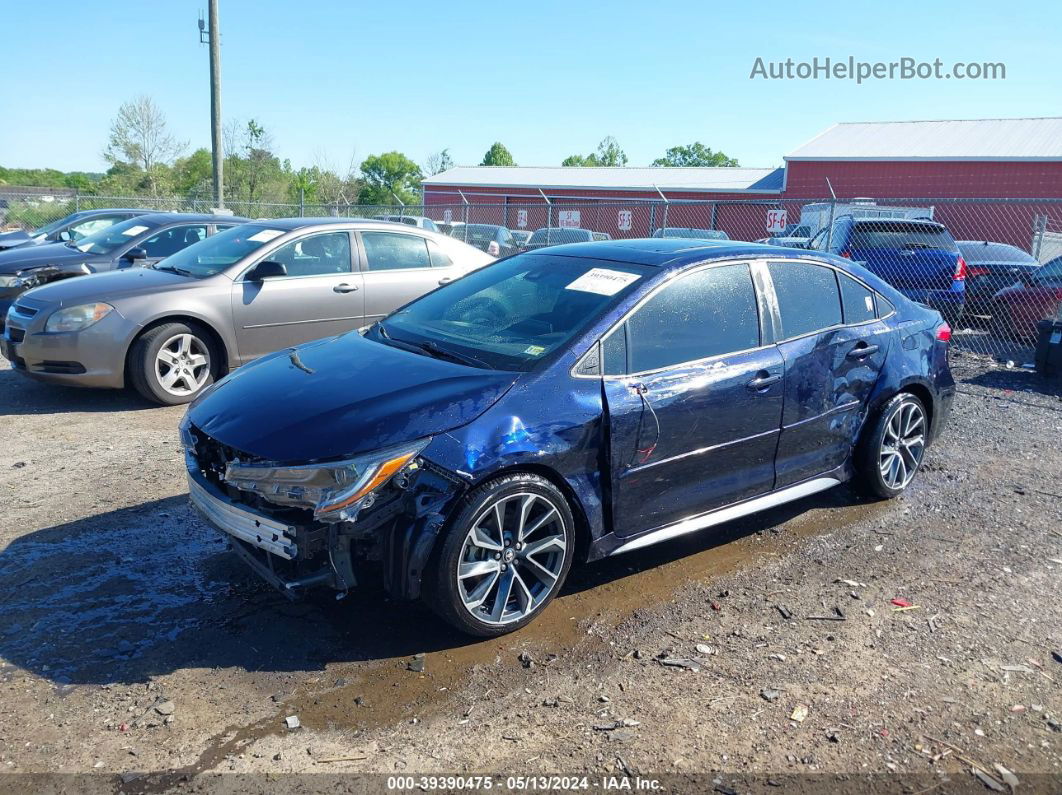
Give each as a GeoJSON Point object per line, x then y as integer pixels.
{"type": "Point", "coordinates": [776, 220]}
{"type": "Point", "coordinates": [521, 218]}
{"type": "Point", "coordinates": [623, 220]}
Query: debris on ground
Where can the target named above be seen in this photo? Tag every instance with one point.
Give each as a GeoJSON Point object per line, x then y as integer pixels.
{"type": "Point", "coordinates": [800, 712]}
{"type": "Point", "coordinates": [526, 660]}
{"type": "Point", "coordinates": [767, 694]}
{"type": "Point", "coordinates": [292, 722]}
{"type": "Point", "coordinates": [626, 723]}
{"type": "Point", "coordinates": [680, 662]}
{"type": "Point", "coordinates": [165, 708]}
{"type": "Point", "coordinates": [417, 664]}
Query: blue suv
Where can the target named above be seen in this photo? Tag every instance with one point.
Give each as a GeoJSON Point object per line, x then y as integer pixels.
{"type": "Point", "coordinates": [918, 257]}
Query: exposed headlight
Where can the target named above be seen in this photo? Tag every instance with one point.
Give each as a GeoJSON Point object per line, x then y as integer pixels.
{"type": "Point", "coordinates": [79, 317]}
{"type": "Point", "coordinates": [334, 491]}
{"type": "Point", "coordinates": [10, 281]}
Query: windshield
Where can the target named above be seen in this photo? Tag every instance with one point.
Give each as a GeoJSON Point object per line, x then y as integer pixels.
{"type": "Point", "coordinates": [513, 314]}
{"type": "Point", "coordinates": [44, 231]}
{"type": "Point", "coordinates": [481, 233]}
{"type": "Point", "coordinates": [553, 236]}
{"type": "Point", "coordinates": [995, 252]}
{"type": "Point", "coordinates": [896, 234]}
{"type": "Point", "coordinates": [216, 253]}
{"type": "Point", "coordinates": [107, 240]}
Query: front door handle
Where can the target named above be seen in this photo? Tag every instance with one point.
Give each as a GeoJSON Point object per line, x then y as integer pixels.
{"type": "Point", "coordinates": [345, 288]}
{"type": "Point", "coordinates": [445, 280]}
{"type": "Point", "coordinates": [763, 380]}
{"type": "Point", "coordinates": [862, 351]}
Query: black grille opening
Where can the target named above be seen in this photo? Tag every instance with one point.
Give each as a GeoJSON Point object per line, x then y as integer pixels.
{"type": "Point", "coordinates": [16, 334]}
{"type": "Point", "coordinates": [60, 368]}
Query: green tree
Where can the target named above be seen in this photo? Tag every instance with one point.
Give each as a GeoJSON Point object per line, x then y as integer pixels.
{"type": "Point", "coordinates": [608, 154]}
{"type": "Point", "coordinates": [498, 155]}
{"type": "Point", "coordinates": [139, 138]}
{"type": "Point", "coordinates": [695, 154]}
{"type": "Point", "coordinates": [388, 176]}
{"type": "Point", "coordinates": [192, 175]}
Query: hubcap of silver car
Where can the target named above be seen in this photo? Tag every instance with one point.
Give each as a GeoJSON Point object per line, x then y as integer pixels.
{"type": "Point", "coordinates": [512, 558]}
{"type": "Point", "coordinates": [903, 445]}
{"type": "Point", "coordinates": [182, 365]}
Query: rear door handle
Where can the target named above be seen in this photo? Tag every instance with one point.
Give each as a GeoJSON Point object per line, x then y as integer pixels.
{"type": "Point", "coordinates": [445, 280]}
{"type": "Point", "coordinates": [862, 351]}
{"type": "Point", "coordinates": [763, 380]}
{"type": "Point", "coordinates": [345, 288]}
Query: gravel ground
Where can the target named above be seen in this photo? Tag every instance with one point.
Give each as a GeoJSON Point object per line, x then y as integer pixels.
{"type": "Point", "coordinates": [132, 644]}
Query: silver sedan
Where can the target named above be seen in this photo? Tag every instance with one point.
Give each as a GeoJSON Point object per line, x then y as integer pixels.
{"type": "Point", "coordinates": [170, 330]}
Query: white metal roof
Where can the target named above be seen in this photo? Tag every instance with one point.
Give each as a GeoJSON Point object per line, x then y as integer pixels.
{"type": "Point", "coordinates": [718, 180]}
{"type": "Point", "coordinates": [969, 139]}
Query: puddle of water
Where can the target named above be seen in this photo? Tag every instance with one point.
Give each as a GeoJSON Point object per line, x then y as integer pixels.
{"type": "Point", "coordinates": [607, 591]}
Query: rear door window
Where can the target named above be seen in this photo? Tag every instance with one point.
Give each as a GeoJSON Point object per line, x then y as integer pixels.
{"type": "Point", "coordinates": [172, 240]}
{"type": "Point", "coordinates": [386, 251]}
{"type": "Point", "coordinates": [808, 299]}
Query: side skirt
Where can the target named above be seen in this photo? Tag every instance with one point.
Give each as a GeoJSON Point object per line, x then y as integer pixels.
{"type": "Point", "coordinates": [720, 515]}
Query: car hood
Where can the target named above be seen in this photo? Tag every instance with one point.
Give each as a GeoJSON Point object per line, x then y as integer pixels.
{"type": "Point", "coordinates": [24, 257]}
{"type": "Point", "coordinates": [110, 286]}
{"type": "Point", "coordinates": [341, 396]}
{"type": "Point", "coordinates": [12, 239]}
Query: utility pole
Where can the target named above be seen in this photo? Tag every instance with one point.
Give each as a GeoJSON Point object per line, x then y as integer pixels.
{"type": "Point", "coordinates": [212, 34]}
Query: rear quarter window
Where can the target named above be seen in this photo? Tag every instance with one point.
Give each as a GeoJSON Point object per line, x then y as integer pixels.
{"type": "Point", "coordinates": [856, 300]}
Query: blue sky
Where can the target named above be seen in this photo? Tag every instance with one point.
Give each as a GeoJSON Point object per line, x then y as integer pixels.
{"type": "Point", "coordinates": [332, 81]}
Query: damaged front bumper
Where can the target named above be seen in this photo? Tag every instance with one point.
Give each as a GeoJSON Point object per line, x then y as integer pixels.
{"type": "Point", "coordinates": [393, 533]}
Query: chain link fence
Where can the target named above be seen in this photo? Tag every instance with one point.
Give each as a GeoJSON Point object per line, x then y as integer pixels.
{"type": "Point", "coordinates": [1011, 248]}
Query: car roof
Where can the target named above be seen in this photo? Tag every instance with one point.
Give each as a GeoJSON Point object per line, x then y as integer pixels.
{"type": "Point", "coordinates": [158, 219]}
{"type": "Point", "coordinates": [676, 252]}
{"type": "Point", "coordinates": [926, 222]}
{"type": "Point", "coordinates": [289, 224]}
{"type": "Point", "coordinates": [109, 210]}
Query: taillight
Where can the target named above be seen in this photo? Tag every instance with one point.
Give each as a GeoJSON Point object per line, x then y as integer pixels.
{"type": "Point", "coordinates": [493, 248]}
{"type": "Point", "coordinates": [944, 333]}
{"type": "Point", "coordinates": [975, 271]}
{"type": "Point", "coordinates": [960, 270]}
{"type": "Point", "coordinates": [846, 254]}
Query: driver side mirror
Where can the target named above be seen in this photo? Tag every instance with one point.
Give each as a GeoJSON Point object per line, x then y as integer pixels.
{"type": "Point", "coordinates": [135, 254]}
{"type": "Point", "coordinates": [266, 269]}
{"type": "Point", "coordinates": [64, 236]}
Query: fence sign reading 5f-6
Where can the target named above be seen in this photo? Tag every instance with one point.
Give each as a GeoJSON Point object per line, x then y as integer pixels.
{"type": "Point", "coordinates": [776, 220]}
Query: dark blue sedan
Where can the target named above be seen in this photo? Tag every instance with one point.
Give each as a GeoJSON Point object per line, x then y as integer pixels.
{"type": "Point", "coordinates": [566, 405]}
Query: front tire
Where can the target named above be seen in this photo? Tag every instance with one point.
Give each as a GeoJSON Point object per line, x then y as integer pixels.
{"type": "Point", "coordinates": [172, 363]}
{"type": "Point", "coordinates": [892, 449]}
{"type": "Point", "coordinates": [504, 557]}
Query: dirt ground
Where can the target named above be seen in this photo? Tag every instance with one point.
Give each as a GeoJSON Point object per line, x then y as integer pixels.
{"type": "Point", "coordinates": [766, 652]}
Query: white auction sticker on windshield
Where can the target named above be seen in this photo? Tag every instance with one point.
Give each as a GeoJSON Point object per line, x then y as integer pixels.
{"type": "Point", "coordinates": [134, 230]}
{"type": "Point", "coordinates": [603, 281]}
{"type": "Point", "coordinates": [265, 235]}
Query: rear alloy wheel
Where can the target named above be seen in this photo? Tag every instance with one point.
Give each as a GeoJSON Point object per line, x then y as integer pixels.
{"type": "Point", "coordinates": [172, 363]}
{"type": "Point", "coordinates": [890, 456]}
{"type": "Point", "coordinates": [507, 554]}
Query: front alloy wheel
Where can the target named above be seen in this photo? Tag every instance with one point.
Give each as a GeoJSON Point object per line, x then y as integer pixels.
{"type": "Point", "coordinates": [172, 363]}
{"type": "Point", "coordinates": [506, 555]}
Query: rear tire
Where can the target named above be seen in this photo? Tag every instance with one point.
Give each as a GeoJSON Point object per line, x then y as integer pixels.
{"type": "Point", "coordinates": [890, 453]}
{"type": "Point", "coordinates": [504, 556]}
{"type": "Point", "coordinates": [172, 363]}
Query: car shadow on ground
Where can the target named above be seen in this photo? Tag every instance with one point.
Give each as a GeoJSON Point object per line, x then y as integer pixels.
{"type": "Point", "coordinates": [1015, 379]}
{"type": "Point", "coordinates": [20, 394]}
{"type": "Point", "coordinates": [148, 590]}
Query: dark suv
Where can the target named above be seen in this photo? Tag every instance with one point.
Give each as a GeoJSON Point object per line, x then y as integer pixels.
{"type": "Point", "coordinates": [918, 257]}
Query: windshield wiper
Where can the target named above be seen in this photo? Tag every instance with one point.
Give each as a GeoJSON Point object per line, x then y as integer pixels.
{"type": "Point", "coordinates": [172, 269]}
{"type": "Point", "coordinates": [432, 349]}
